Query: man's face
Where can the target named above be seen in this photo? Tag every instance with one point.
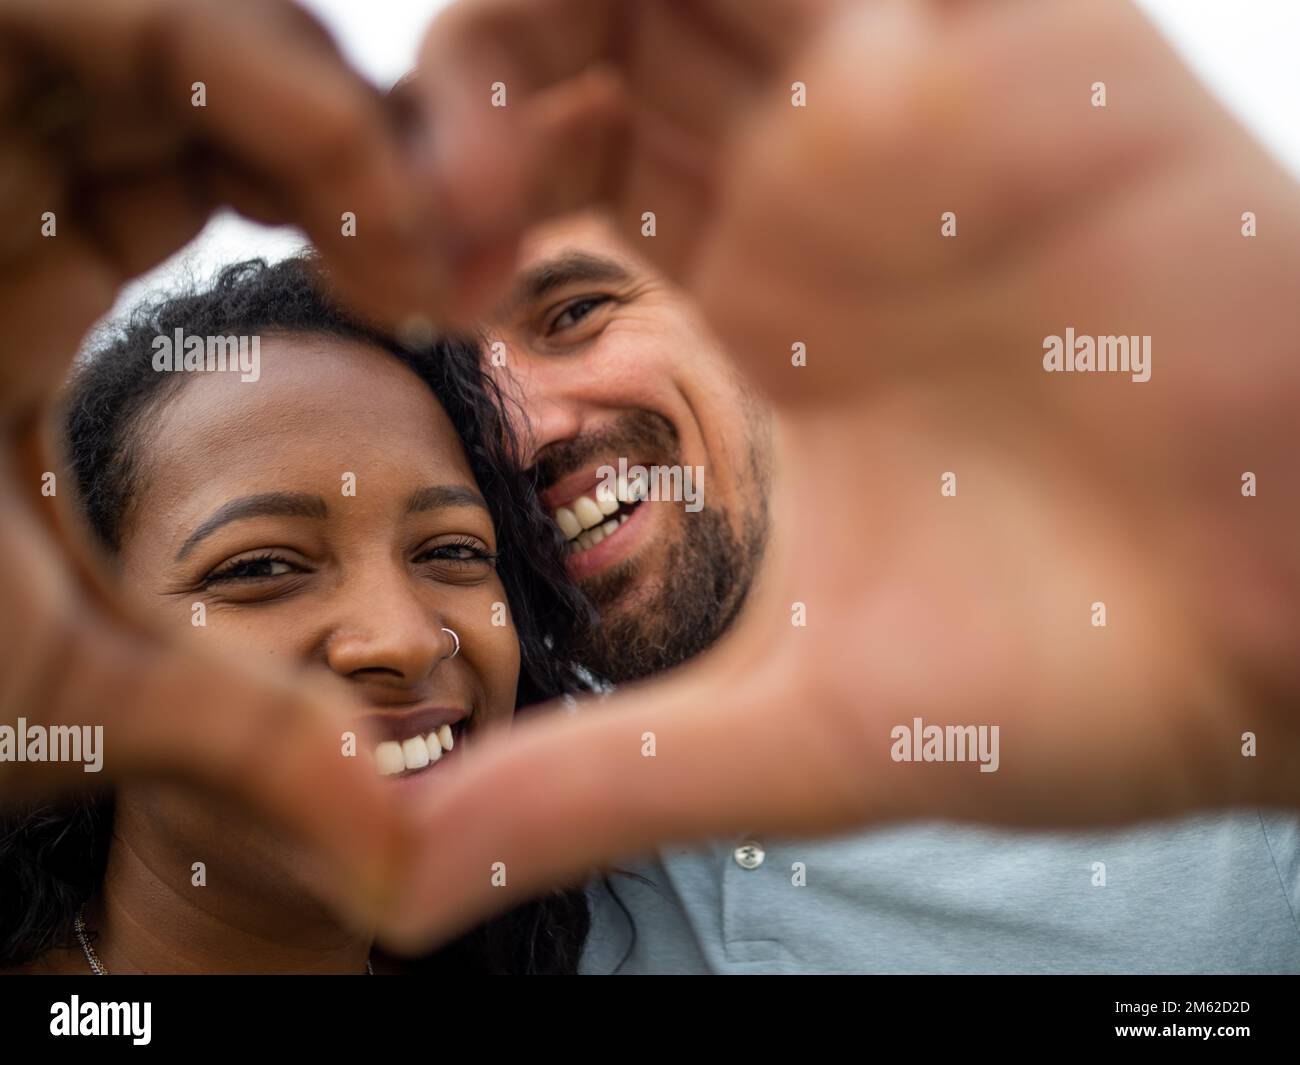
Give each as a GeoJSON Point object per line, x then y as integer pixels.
{"type": "Point", "coordinates": [614, 370]}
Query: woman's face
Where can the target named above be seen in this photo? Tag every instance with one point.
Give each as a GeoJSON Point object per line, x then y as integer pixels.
{"type": "Point", "coordinates": [325, 516]}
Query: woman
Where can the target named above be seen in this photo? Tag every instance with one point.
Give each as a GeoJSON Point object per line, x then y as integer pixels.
{"type": "Point", "coordinates": [352, 507]}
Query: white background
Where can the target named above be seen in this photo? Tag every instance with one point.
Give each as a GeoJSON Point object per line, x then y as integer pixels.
{"type": "Point", "coordinates": [1247, 51]}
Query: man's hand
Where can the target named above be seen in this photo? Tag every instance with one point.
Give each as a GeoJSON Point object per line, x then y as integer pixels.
{"type": "Point", "coordinates": [533, 108]}
{"type": "Point", "coordinates": [111, 160]}
{"type": "Point", "coordinates": [822, 225]}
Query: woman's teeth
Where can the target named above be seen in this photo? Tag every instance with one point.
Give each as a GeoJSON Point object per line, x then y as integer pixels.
{"type": "Point", "coordinates": [417, 752]}
{"type": "Point", "coordinates": [589, 519]}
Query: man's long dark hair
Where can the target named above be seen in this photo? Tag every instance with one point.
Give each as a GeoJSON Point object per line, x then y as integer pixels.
{"type": "Point", "coordinates": [53, 856]}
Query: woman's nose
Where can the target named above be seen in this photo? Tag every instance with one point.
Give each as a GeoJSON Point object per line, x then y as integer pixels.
{"type": "Point", "coordinates": [391, 635]}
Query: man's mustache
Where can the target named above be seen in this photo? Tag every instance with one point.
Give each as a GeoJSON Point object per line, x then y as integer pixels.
{"type": "Point", "coordinates": [638, 434]}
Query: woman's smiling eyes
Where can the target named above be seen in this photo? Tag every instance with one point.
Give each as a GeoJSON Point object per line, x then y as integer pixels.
{"type": "Point", "coordinates": [258, 567]}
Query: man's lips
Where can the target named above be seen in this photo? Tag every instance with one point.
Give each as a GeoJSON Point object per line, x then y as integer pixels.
{"type": "Point", "coordinates": [566, 489]}
{"type": "Point", "coordinates": [587, 507]}
{"type": "Point", "coordinates": [596, 550]}
{"type": "Point", "coordinates": [563, 491]}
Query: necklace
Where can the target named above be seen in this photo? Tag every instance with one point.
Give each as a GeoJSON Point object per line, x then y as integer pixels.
{"type": "Point", "coordinates": [99, 969]}
{"type": "Point", "coordinates": [96, 966]}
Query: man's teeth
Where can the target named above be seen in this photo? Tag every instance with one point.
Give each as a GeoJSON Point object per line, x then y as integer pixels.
{"type": "Point", "coordinates": [589, 519]}
{"type": "Point", "coordinates": [587, 512]}
{"type": "Point", "coordinates": [417, 752]}
{"type": "Point", "coordinates": [568, 522]}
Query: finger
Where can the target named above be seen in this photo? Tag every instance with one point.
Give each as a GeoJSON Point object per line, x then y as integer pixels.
{"type": "Point", "coordinates": [291, 115]}
{"type": "Point", "coordinates": [167, 710]}
{"type": "Point", "coordinates": [255, 87]}
{"type": "Point", "coordinates": [138, 221]}
{"type": "Point", "coordinates": [160, 712]}
{"type": "Point", "coordinates": [565, 119]}
{"type": "Point", "coordinates": [770, 29]}
{"type": "Point", "coordinates": [562, 796]}
{"type": "Point", "coordinates": [480, 65]}
{"type": "Point", "coordinates": [531, 134]}
{"type": "Point", "coordinates": [911, 122]}
{"type": "Point", "coordinates": [527, 44]}
{"type": "Point", "coordinates": [568, 152]}
{"type": "Point", "coordinates": [31, 182]}
{"type": "Point", "coordinates": [276, 746]}
{"type": "Point", "coordinates": [45, 310]}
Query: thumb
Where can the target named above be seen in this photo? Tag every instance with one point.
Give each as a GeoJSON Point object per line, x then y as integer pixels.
{"type": "Point", "coordinates": [707, 750]}
{"type": "Point", "coordinates": [494, 172]}
{"type": "Point", "coordinates": [154, 708]}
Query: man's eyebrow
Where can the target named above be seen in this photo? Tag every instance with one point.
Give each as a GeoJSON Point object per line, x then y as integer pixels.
{"type": "Point", "coordinates": [438, 496]}
{"type": "Point", "coordinates": [566, 268]}
{"type": "Point", "coordinates": [267, 504]}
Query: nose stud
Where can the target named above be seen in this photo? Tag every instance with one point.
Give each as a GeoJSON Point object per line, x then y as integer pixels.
{"type": "Point", "coordinates": [452, 634]}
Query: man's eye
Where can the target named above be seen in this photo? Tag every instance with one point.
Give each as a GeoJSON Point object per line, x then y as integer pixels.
{"type": "Point", "coordinates": [577, 311]}
{"type": "Point", "coordinates": [251, 569]}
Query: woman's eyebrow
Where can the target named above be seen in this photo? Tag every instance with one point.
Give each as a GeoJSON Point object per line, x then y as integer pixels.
{"type": "Point", "coordinates": [267, 504]}
{"type": "Point", "coordinates": [438, 496]}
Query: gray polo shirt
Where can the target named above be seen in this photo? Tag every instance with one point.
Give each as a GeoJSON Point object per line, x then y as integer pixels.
{"type": "Point", "coordinates": [1213, 894]}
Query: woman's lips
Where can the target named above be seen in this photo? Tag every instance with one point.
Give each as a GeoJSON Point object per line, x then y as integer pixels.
{"type": "Point", "coordinates": [397, 723]}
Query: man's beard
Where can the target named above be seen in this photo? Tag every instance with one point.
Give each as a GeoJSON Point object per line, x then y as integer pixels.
{"type": "Point", "coordinates": [707, 573]}
{"type": "Point", "coordinates": [706, 577]}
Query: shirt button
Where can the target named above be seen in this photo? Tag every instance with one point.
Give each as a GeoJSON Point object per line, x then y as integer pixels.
{"type": "Point", "coordinates": [749, 855]}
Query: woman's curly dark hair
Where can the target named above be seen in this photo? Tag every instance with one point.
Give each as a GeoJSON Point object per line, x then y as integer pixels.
{"type": "Point", "coordinates": [52, 858]}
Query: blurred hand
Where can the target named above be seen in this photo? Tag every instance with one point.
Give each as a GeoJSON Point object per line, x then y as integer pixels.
{"type": "Point", "coordinates": [107, 167]}
{"type": "Point", "coordinates": [532, 108]}
{"type": "Point", "coordinates": [924, 357]}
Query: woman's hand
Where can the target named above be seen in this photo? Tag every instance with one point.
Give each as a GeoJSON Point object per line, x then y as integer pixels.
{"type": "Point", "coordinates": [124, 124]}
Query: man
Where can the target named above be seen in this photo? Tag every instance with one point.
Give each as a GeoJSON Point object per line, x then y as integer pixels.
{"type": "Point", "coordinates": [816, 226]}
{"type": "Point", "coordinates": [612, 365]}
